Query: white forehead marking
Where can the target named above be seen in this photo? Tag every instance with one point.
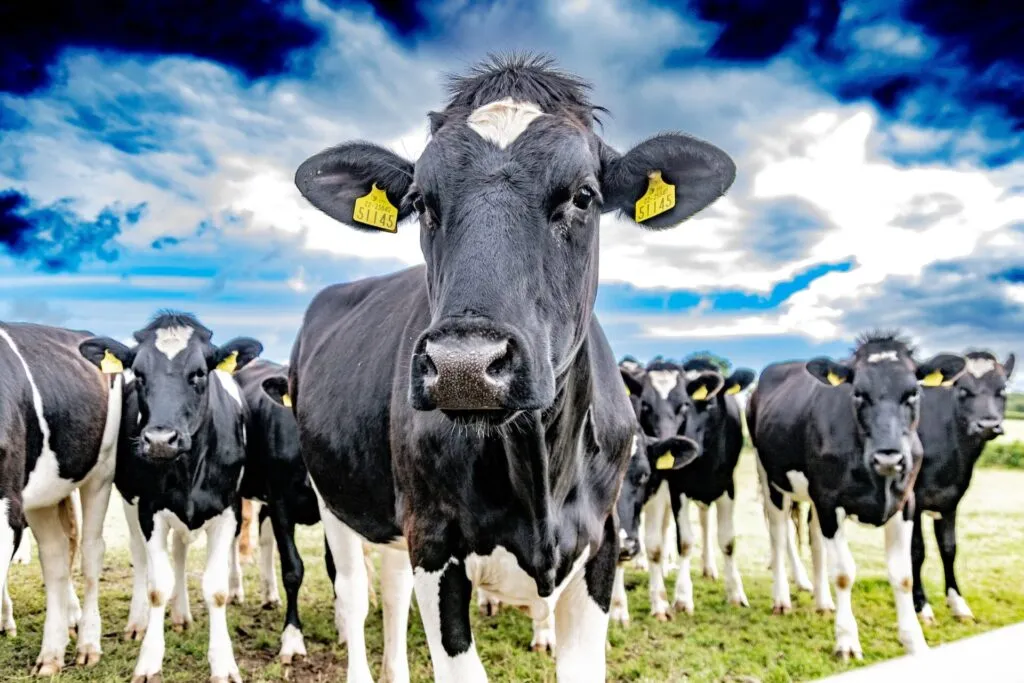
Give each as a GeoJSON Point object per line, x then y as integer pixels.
{"type": "Point", "coordinates": [979, 367]}
{"type": "Point", "coordinates": [503, 121]}
{"type": "Point", "coordinates": [172, 340]}
{"type": "Point", "coordinates": [692, 375]}
{"type": "Point", "coordinates": [663, 381]}
{"type": "Point", "coordinates": [880, 356]}
{"type": "Point", "coordinates": [630, 365]}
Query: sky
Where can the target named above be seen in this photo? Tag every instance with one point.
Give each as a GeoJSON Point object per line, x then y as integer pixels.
{"type": "Point", "coordinates": [147, 162]}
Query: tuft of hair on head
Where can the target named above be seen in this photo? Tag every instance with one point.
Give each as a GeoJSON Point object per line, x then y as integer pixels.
{"type": "Point", "coordinates": [168, 318]}
{"type": "Point", "coordinates": [661, 364]}
{"type": "Point", "coordinates": [883, 340]}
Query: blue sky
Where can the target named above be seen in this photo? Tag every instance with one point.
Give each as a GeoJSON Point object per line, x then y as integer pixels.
{"type": "Point", "coordinates": [146, 161]}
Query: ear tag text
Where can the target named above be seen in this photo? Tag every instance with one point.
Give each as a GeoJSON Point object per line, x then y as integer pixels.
{"type": "Point", "coordinates": [659, 198]}
{"type": "Point", "coordinates": [110, 365]}
{"type": "Point", "coordinates": [376, 209]}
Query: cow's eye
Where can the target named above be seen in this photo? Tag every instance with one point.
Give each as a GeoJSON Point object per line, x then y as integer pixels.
{"type": "Point", "coordinates": [418, 205]}
{"type": "Point", "coordinates": [583, 198]}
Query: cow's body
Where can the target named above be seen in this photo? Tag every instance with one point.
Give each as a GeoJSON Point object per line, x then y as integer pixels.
{"type": "Point", "coordinates": [956, 423]}
{"type": "Point", "coordinates": [59, 419]}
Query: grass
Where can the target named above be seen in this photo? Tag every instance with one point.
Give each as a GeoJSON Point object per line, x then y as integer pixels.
{"type": "Point", "coordinates": [718, 643]}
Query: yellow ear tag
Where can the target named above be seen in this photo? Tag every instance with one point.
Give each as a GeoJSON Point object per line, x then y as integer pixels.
{"type": "Point", "coordinates": [700, 394]}
{"type": "Point", "coordinates": [110, 365]}
{"type": "Point", "coordinates": [628, 392]}
{"type": "Point", "coordinates": [933, 380]}
{"type": "Point", "coordinates": [376, 209]}
{"type": "Point", "coordinates": [665, 462]}
{"type": "Point", "coordinates": [287, 401]}
{"type": "Point", "coordinates": [834, 379]}
{"type": "Point", "coordinates": [229, 364]}
{"type": "Point", "coordinates": [659, 198]}
{"type": "Point", "coordinates": [734, 389]}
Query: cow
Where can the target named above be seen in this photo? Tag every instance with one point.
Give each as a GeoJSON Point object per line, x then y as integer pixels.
{"type": "Point", "coordinates": [843, 436]}
{"type": "Point", "coordinates": [469, 410]}
{"type": "Point", "coordinates": [180, 462]}
{"type": "Point", "coordinates": [956, 423]}
{"type": "Point", "coordinates": [59, 423]}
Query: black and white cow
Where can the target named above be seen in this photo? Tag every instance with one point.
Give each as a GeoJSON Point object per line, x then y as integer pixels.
{"type": "Point", "coordinates": [59, 421]}
{"type": "Point", "coordinates": [843, 436]}
{"type": "Point", "coordinates": [472, 408]}
{"type": "Point", "coordinates": [956, 423]}
{"type": "Point", "coordinates": [276, 475]}
{"type": "Point", "coordinates": [180, 463]}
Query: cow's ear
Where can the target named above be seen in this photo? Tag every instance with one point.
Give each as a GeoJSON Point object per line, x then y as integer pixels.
{"type": "Point", "coordinates": [704, 386]}
{"type": "Point", "coordinates": [827, 371]}
{"type": "Point", "coordinates": [359, 184]}
{"type": "Point", "coordinates": [634, 386]}
{"type": "Point", "coordinates": [739, 380]}
{"type": "Point", "coordinates": [664, 180]}
{"type": "Point", "coordinates": [110, 356]}
{"type": "Point", "coordinates": [1008, 366]}
{"type": "Point", "coordinates": [944, 368]}
{"type": "Point", "coordinates": [672, 453]}
{"type": "Point", "coordinates": [235, 355]}
{"type": "Point", "coordinates": [276, 388]}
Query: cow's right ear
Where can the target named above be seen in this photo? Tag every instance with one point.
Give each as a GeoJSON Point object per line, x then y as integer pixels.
{"type": "Point", "coordinates": [829, 372]}
{"type": "Point", "coordinates": [359, 184]}
{"type": "Point", "coordinates": [276, 388]}
{"type": "Point", "coordinates": [110, 356]}
{"type": "Point", "coordinates": [940, 370]}
{"type": "Point", "coordinates": [672, 453]}
{"type": "Point", "coordinates": [634, 386]}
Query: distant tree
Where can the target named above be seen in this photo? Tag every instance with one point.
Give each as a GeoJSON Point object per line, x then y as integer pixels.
{"type": "Point", "coordinates": [723, 364]}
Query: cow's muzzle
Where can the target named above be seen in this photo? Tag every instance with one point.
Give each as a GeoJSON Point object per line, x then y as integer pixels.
{"type": "Point", "coordinates": [890, 463]}
{"type": "Point", "coordinates": [628, 549]}
{"type": "Point", "coordinates": [162, 445]}
{"type": "Point", "coordinates": [986, 429]}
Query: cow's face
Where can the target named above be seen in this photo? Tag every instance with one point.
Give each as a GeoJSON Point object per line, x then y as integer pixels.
{"type": "Point", "coordinates": [708, 410]}
{"type": "Point", "coordinates": [885, 400]}
{"type": "Point", "coordinates": [172, 366]}
{"type": "Point", "coordinates": [981, 395]}
{"type": "Point", "coordinates": [648, 457]}
{"type": "Point", "coordinates": [508, 193]}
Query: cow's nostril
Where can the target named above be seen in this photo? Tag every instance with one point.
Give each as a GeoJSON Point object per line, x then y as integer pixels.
{"type": "Point", "coordinates": [502, 364]}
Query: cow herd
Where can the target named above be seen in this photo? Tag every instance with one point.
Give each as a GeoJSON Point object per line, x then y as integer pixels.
{"type": "Point", "coordinates": [467, 418]}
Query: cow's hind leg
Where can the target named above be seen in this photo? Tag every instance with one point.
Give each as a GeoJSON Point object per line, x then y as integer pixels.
{"type": "Point", "coordinates": [709, 568]}
{"type": "Point", "coordinates": [293, 644]}
{"type": "Point", "coordinates": [822, 591]}
{"type": "Point", "coordinates": [95, 497]}
{"type": "Point", "coordinates": [684, 583]}
{"type": "Point", "coordinates": [798, 573]}
{"type": "Point", "coordinates": [488, 604]}
{"type": "Point", "coordinates": [619, 611]}
{"type": "Point", "coordinates": [724, 510]}
{"type": "Point", "coordinates": [54, 554]}
{"type": "Point", "coordinates": [897, 555]}
{"type": "Point", "coordinates": [221, 544]}
{"type": "Point", "coordinates": [656, 513]}
{"type": "Point", "coordinates": [268, 575]}
{"type": "Point", "coordinates": [236, 589]}
{"type": "Point", "coordinates": [545, 635]}
{"type": "Point", "coordinates": [945, 534]}
{"type": "Point", "coordinates": [11, 533]}
{"type": "Point", "coordinates": [917, 556]}
{"type": "Point", "coordinates": [138, 613]}
{"type": "Point", "coordinates": [777, 506]}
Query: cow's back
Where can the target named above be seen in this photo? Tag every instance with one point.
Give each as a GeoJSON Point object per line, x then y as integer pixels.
{"type": "Point", "coordinates": [781, 409]}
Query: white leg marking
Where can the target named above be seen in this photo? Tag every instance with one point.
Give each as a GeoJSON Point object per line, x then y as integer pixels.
{"type": "Point", "coordinates": [958, 606]}
{"type": "Point", "coordinates": [53, 555]}
{"type": "Point", "coordinates": [464, 667]}
{"type": "Point", "coordinates": [778, 521]}
{"type": "Point", "coordinates": [292, 645]}
{"type": "Point", "coordinates": [236, 589]}
{"type": "Point", "coordinates": [619, 613]}
{"type": "Point", "coordinates": [822, 590]}
{"type": "Point", "coordinates": [798, 573]}
{"type": "Point", "coordinates": [138, 613]}
{"type": "Point", "coordinates": [181, 612]}
{"type": "Point", "coordinates": [24, 554]}
{"type": "Point", "coordinates": [488, 603]}
{"type": "Point", "coordinates": [640, 561]}
{"type": "Point", "coordinates": [544, 636]}
{"type": "Point", "coordinates": [927, 615]}
{"type": "Point", "coordinates": [724, 510]}
{"type": "Point", "coordinates": [7, 625]}
{"type": "Point", "coordinates": [582, 633]}
{"type": "Point", "coordinates": [268, 575]}
{"type": "Point", "coordinates": [396, 593]}
{"type": "Point", "coordinates": [655, 513]}
{"type": "Point", "coordinates": [220, 544]}
{"type": "Point", "coordinates": [95, 497]}
{"type": "Point", "coordinates": [160, 582]}
{"type": "Point", "coordinates": [684, 583]}
{"type": "Point", "coordinates": [708, 566]}
{"type": "Point", "coordinates": [897, 557]}
{"type": "Point", "coordinates": [844, 572]}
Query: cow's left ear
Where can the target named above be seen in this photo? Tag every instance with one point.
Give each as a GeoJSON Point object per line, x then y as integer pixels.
{"type": "Point", "coordinates": [235, 355]}
{"type": "Point", "coordinates": [672, 453]}
{"type": "Point", "coordinates": [738, 381]}
{"type": "Point", "coordinates": [276, 388]}
{"type": "Point", "coordinates": [827, 371]}
{"type": "Point", "coordinates": [944, 368]}
{"type": "Point", "coordinates": [704, 386]}
{"type": "Point", "coordinates": [665, 180]}
{"type": "Point", "coordinates": [110, 356]}
{"type": "Point", "coordinates": [1008, 366]}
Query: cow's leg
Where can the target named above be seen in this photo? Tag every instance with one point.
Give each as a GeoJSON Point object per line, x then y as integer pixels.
{"type": "Point", "coordinates": [221, 544]}
{"type": "Point", "coordinates": [396, 593]}
{"type": "Point", "coordinates": [656, 511]}
{"type": "Point", "coordinates": [181, 612]}
{"type": "Point", "coordinates": [488, 604]}
{"type": "Point", "coordinates": [236, 589]}
{"type": "Point", "coordinates": [581, 615]}
{"type": "Point", "coordinates": [945, 535]}
{"type": "Point", "coordinates": [53, 555]}
{"type": "Point", "coordinates": [138, 613]}
{"type": "Point", "coordinates": [268, 575]}
{"type": "Point", "coordinates": [69, 512]}
{"type": "Point", "coordinates": [778, 506]}
{"type": "Point", "coordinates": [724, 510]}
{"type": "Point", "coordinates": [292, 572]}
{"type": "Point", "coordinates": [917, 554]}
{"type": "Point", "coordinates": [95, 498]}
{"type": "Point", "coordinates": [351, 600]}
{"type": "Point", "coordinates": [843, 571]}
{"type": "Point", "coordinates": [160, 581]}
{"type": "Point", "coordinates": [619, 611]}
{"type": "Point", "coordinates": [545, 636]}
{"type": "Point", "coordinates": [684, 583]}
{"type": "Point", "coordinates": [822, 591]}
{"type": "Point", "coordinates": [23, 555]}
{"type": "Point", "coordinates": [709, 568]}
{"type": "Point", "coordinates": [10, 533]}
{"type": "Point", "coordinates": [898, 532]}
{"type": "Point", "coordinates": [798, 573]}
{"type": "Point", "coordinates": [640, 561]}
{"type": "Point", "coordinates": [249, 512]}
{"type": "Point", "coordinates": [444, 595]}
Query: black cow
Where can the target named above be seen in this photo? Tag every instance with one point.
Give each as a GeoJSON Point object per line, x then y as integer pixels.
{"type": "Point", "coordinates": [473, 406]}
{"type": "Point", "coordinates": [59, 421]}
{"type": "Point", "coordinates": [956, 423]}
{"type": "Point", "coordinates": [843, 435]}
{"type": "Point", "coordinates": [180, 462]}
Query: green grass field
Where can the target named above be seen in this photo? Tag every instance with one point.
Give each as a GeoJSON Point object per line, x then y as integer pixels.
{"type": "Point", "coordinates": [718, 643]}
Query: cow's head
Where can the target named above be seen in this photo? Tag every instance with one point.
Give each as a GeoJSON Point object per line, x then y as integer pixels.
{"type": "Point", "coordinates": [667, 398]}
{"type": "Point", "coordinates": [172, 366]}
{"type": "Point", "coordinates": [632, 376]}
{"type": "Point", "coordinates": [509, 193]}
{"type": "Point", "coordinates": [708, 411]}
{"type": "Point", "coordinates": [649, 457]}
{"type": "Point", "coordinates": [981, 394]}
{"type": "Point", "coordinates": [885, 397]}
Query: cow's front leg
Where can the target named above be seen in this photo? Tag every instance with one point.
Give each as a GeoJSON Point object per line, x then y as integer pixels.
{"type": "Point", "coordinates": [292, 573]}
{"type": "Point", "coordinates": [724, 509]}
{"type": "Point", "coordinates": [396, 594]}
{"type": "Point", "coordinates": [160, 583]}
{"type": "Point", "coordinates": [917, 555]}
{"type": "Point", "coordinates": [268, 575]}
{"type": "Point", "coordinates": [945, 535]}
{"type": "Point", "coordinates": [823, 602]}
{"type": "Point", "coordinates": [181, 612]}
{"type": "Point", "coordinates": [619, 611]}
{"type": "Point", "coordinates": [656, 513]}
{"type": "Point", "coordinates": [95, 501]}
{"type": "Point", "coordinates": [709, 568]}
{"type": "Point", "coordinates": [684, 583]}
{"type": "Point", "coordinates": [797, 571]}
{"type": "Point", "coordinates": [581, 615]}
{"type": "Point", "coordinates": [444, 595]}
{"type": "Point", "coordinates": [138, 613]}
{"type": "Point", "coordinates": [53, 555]}
{"type": "Point", "coordinates": [843, 571]}
{"type": "Point", "coordinates": [897, 556]}
{"type": "Point", "coordinates": [236, 590]}
{"type": "Point", "coordinates": [221, 544]}
{"type": "Point", "coordinates": [10, 533]}
{"type": "Point", "coordinates": [777, 507]}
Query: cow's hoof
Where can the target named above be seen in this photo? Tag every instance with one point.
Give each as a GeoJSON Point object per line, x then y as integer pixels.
{"type": "Point", "coordinates": [9, 631]}
{"type": "Point", "coordinates": [88, 655]}
{"type": "Point", "coordinates": [965, 618]}
{"type": "Point", "coordinates": [181, 624]}
{"type": "Point", "coordinates": [134, 632]}
{"type": "Point", "coordinates": [845, 651]}
{"type": "Point", "coordinates": [825, 610]}
{"type": "Point", "coordinates": [739, 601]}
{"type": "Point", "coordinates": [710, 574]}
{"type": "Point", "coordinates": [73, 633]}
{"type": "Point", "coordinates": [682, 607]}
{"type": "Point", "coordinates": [271, 604]}
{"type": "Point", "coordinates": [47, 667]}
{"type": "Point", "coordinates": [782, 608]}
{"type": "Point", "coordinates": [663, 616]}
{"type": "Point", "coordinates": [148, 678]}
{"type": "Point", "coordinates": [541, 647]}
{"type": "Point", "coordinates": [237, 598]}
